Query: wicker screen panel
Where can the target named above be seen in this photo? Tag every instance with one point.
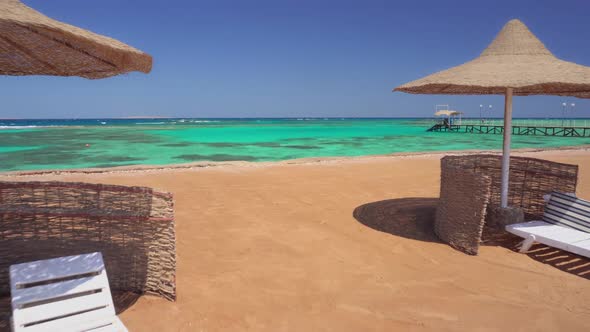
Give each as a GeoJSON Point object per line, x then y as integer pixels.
{"type": "Point", "coordinates": [70, 198]}
{"type": "Point", "coordinates": [133, 227]}
{"type": "Point", "coordinates": [530, 179]}
{"type": "Point", "coordinates": [460, 215]}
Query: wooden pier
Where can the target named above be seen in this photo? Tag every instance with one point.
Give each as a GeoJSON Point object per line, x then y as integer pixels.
{"type": "Point", "coordinates": [563, 131]}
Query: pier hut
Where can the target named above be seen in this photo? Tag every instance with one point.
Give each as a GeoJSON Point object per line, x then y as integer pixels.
{"type": "Point", "coordinates": [449, 117]}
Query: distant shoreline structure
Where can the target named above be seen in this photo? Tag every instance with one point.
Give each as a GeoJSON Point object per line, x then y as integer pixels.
{"type": "Point", "coordinates": [140, 117]}
{"type": "Point", "coordinates": [278, 118]}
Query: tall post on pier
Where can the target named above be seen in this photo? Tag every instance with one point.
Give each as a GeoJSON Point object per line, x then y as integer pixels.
{"type": "Point", "coordinates": [563, 111]}
{"type": "Point", "coordinates": [480, 112]}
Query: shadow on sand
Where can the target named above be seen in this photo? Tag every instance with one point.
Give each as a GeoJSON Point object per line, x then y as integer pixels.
{"type": "Point", "coordinates": [413, 218]}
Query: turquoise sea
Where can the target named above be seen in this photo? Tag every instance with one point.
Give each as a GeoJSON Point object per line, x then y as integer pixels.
{"type": "Point", "coordinates": [62, 144]}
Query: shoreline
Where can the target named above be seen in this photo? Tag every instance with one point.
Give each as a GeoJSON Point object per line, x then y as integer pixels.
{"type": "Point", "coordinates": [299, 161]}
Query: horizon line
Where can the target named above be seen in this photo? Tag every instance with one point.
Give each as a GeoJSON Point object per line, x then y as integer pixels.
{"type": "Point", "coordinates": [277, 118]}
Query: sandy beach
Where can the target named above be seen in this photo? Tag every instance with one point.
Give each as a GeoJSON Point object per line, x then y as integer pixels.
{"type": "Point", "coordinates": [343, 245]}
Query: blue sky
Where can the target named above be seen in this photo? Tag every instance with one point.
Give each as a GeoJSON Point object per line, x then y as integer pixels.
{"type": "Point", "coordinates": [295, 58]}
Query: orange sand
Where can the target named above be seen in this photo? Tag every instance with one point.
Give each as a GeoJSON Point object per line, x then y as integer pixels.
{"type": "Point", "coordinates": [275, 247]}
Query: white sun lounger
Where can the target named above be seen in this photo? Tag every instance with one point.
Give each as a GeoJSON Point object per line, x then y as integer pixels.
{"type": "Point", "coordinates": [565, 225]}
{"type": "Point", "coordinates": [63, 294]}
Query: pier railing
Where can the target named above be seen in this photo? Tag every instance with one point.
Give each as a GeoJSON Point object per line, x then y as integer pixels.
{"type": "Point", "coordinates": [582, 123]}
{"type": "Point", "coordinates": [517, 129]}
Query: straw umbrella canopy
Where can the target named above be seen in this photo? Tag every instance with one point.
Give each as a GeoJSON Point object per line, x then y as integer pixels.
{"type": "Point", "coordinates": [34, 44]}
{"type": "Point", "coordinates": [515, 63]}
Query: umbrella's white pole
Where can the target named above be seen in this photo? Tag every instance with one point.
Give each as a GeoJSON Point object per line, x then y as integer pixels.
{"type": "Point", "coordinates": [506, 149]}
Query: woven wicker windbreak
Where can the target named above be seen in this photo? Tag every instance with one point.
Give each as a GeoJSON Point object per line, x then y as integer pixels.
{"type": "Point", "coordinates": [472, 183]}
{"type": "Point", "coordinates": [133, 227]}
{"type": "Point", "coordinates": [460, 215]}
{"type": "Point", "coordinates": [515, 59]}
{"type": "Point", "coordinates": [34, 44]}
{"type": "Point", "coordinates": [530, 179]}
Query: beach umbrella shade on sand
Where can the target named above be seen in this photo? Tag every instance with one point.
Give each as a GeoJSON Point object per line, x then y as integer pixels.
{"type": "Point", "coordinates": [515, 63]}
{"type": "Point", "coordinates": [34, 44]}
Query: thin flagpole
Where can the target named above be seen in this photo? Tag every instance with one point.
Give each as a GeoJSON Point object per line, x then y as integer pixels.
{"type": "Point", "coordinates": [506, 148]}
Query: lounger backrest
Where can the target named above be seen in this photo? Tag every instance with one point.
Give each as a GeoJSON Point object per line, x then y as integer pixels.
{"type": "Point", "coordinates": [569, 211]}
{"type": "Point", "coordinates": [61, 294]}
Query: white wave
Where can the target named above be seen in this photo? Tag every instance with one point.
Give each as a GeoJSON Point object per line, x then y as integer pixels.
{"type": "Point", "coordinates": [22, 127]}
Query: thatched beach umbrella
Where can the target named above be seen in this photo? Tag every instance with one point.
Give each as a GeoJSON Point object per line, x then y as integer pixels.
{"type": "Point", "coordinates": [515, 63]}
{"type": "Point", "coordinates": [34, 44]}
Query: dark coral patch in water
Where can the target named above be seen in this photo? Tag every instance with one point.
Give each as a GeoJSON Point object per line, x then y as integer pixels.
{"type": "Point", "coordinates": [267, 144]}
{"type": "Point", "coordinates": [118, 159]}
{"type": "Point", "coordinates": [299, 139]}
{"type": "Point", "coordinates": [45, 156]}
{"type": "Point", "coordinates": [301, 147]}
{"type": "Point", "coordinates": [111, 159]}
{"type": "Point", "coordinates": [215, 157]}
{"type": "Point", "coordinates": [111, 165]}
{"type": "Point", "coordinates": [223, 145]}
{"type": "Point", "coordinates": [177, 145]}
{"type": "Point", "coordinates": [391, 137]}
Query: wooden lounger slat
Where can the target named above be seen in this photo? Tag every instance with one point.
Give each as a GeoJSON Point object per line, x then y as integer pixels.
{"type": "Point", "coordinates": [564, 226]}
